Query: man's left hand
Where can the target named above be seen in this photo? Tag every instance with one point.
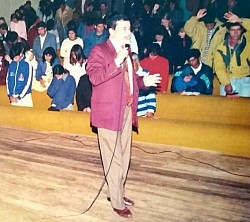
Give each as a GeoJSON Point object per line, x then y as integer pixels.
{"type": "Point", "coordinates": [152, 80]}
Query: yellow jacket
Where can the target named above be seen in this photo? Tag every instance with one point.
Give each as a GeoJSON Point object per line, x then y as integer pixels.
{"type": "Point", "coordinates": [197, 31]}
{"type": "Point", "coordinates": [237, 64]}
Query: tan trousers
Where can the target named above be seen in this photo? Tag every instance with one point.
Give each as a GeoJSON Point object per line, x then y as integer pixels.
{"type": "Point", "coordinates": [117, 169]}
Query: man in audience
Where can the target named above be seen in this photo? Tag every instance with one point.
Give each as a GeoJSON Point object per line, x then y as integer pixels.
{"type": "Point", "coordinates": [195, 77]}
{"type": "Point", "coordinates": [206, 33]}
{"type": "Point", "coordinates": [232, 58]}
{"type": "Point", "coordinates": [4, 31]}
{"type": "Point", "coordinates": [43, 40]}
{"type": "Point", "coordinates": [97, 36]}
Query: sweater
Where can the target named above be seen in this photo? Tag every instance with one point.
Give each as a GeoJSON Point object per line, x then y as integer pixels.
{"type": "Point", "coordinates": [62, 91]}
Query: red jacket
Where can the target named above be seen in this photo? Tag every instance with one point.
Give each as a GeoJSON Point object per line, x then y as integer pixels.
{"type": "Point", "coordinates": [158, 65]}
{"type": "Point", "coordinates": [109, 98]}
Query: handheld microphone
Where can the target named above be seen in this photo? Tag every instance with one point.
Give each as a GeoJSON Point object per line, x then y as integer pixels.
{"type": "Point", "coordinates": [127, 46]}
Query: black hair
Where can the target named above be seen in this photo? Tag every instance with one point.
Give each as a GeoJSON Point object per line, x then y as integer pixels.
{"type": "Point", "coordinates": [100, 21]}
{"type": "Point", "coordinates": [58, 70]}
{"type": "Point", "coordinates": [112, 22]}
{"type": "Point", "coordinates": [154, 48]}
{"type": "Point", "coordinates": [193, 53]}
{"type": "Point", "coordinates": [231, 24]}
{"type": "Point", "coordinates": [50, 51]}
{"type": "Point", "coordinates": [50, 24]}
{"type": "Point", "coordinates": [16, 50]}
{"type": "Point", "coordinates": [4, 26]}
{"type": "Point", "coordinates": [41, 24]}
{"type": "Point", "coordinates": [11, 36]}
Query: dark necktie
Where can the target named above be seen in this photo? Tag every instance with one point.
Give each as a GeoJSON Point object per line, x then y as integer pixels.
{"type": "Point", "coordinates": [126, 79]}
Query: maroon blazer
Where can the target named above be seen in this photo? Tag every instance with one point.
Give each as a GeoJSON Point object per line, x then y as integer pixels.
{"type": "Point", "coordinates": [109, 98]}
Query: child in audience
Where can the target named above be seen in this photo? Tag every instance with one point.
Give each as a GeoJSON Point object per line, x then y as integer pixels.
{"type": "Point", "coordinates": [19, 78]}
{"type": "Point", "coordinates": [147, 99]}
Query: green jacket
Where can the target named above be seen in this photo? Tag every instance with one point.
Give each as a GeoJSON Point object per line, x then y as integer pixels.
{"type": "Point", "coordinates": [197, 31]}
{"type": "Point", "coordinates": [234, 64]}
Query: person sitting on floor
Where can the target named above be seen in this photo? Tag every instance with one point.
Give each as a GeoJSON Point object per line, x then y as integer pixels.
{"type": "Point", "coordinates": [195, 77]}
{"type": "Point", "coordinates": [61, 90]}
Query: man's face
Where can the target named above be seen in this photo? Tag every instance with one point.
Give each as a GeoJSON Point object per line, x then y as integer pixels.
{"type": "Point", "coordinates": [99, 28]}
{"type": "Point", "coordinates": [41, 31]}
{"type": "Point", "coordinates": [159, 38]}
{"type": "Point", "coordinates": [103, 8]}
{"type": "Point", "coordinates": [194, 62]}
{"type": "Point", "coordinates": [72, 35]}
{"type": "Point", "coordinates": [210, 25]}
{"type": "Point", "coordinates": [121, 33]}
{"type": "Point", "coordinates": [235, 32]}
{"type": "Point", "coordinates": [165, 23]}
{"type": "Point", "coordinates": [182, 33]}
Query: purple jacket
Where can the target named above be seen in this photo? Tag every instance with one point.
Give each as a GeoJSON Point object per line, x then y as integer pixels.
{"type": "Point", "coordinates": [109, 98]}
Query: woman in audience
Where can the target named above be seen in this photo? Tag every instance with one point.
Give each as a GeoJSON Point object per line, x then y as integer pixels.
{"type": "Point", "coordinates": [61, 90]}
{"type": "Point", "coordinates": [77, 62]}
{"type": "Point", "coordinates": [17, 25]}
{"type": "Point", "coordinates": [68, 43]}
{"type": "Point", "coordinates": [44, 73]}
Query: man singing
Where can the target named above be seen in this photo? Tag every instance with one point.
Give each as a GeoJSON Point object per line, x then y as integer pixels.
{"type": "Point", "coordinates": [113, 107]}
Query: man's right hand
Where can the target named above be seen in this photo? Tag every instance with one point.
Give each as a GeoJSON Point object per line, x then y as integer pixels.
{"type": "Point", "coordinates": [201, 13]}
{"type": "Point", "coordinates": [121, 56]}
{"type": "Point", "coordinates": [228, 89]}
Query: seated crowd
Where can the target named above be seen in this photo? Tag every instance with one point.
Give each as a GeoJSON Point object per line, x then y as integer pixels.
{"type": "Point", "coordinates": [47, 49]}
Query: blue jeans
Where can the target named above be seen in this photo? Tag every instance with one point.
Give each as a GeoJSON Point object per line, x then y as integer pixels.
{"type": "Point", "coordinates": [240, 85]}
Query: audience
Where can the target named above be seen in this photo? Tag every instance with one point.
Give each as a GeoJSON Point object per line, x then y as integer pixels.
{"type": "Point", "coordinates": [215, 30]}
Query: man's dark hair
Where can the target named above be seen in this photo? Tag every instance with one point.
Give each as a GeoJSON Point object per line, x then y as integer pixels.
{"type": "Point", "coordinates": [41, 24]}
{"type": "Point", "coordinates": [193, 53]}
{"type": "Point", "coordinates": [231, 24]}
{"type": "Point", "coordinates": [209, 17]}
{"type": "Point", "coordinates": [112, 22]}
{"type": "Point", "coordinates": [50, 24]}
{"type": "Point", "coordinates": [11, 36]}
{"type": "Point", "coordinates": [16, 50]}
{"type": "Point", "coordinates": [103, 3]}
{"type": "Point", "coordinates": [4, 26]}
{"type": "Point", "coordinates": [100, 21]}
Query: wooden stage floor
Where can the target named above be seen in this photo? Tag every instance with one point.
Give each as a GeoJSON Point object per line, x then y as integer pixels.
{"type": "Point", "coordinates": [47, 176]}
